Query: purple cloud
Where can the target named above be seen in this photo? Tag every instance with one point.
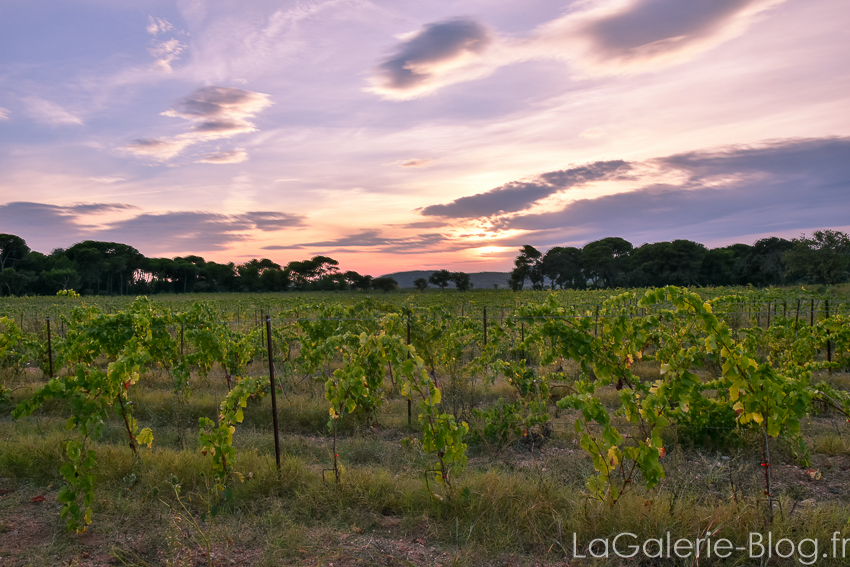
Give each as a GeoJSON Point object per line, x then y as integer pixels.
{"type": "Point", "coordinates": [779, 187]}
{"type": "Point", "coordinates": [519, 195]}
{"type": "Point", "coordinates": [152, 233]}
{"type": "Point", "coordinates": [422, 59]}
{"type": "Point", "coordinates": [215, 113]}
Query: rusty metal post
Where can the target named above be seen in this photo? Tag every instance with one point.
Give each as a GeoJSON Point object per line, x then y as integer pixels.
{"type": "Point", "coordinates": [274, 395]}
{"type": "Point", "coordinates": [828, 343]}
{"type": "Point", "coordinates": [49, 350]}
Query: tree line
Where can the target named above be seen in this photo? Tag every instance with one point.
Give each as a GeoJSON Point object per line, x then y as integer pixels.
{"type": "Point", "coordinates": [110, 268]}
{"type": "Point", "coordinates": [442, 279]}
{"type": "Point", "coordinates": [822, 258]}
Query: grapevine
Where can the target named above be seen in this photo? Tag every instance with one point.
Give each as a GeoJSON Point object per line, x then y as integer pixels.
{"type": "Point", "coordinates": [91, 392]}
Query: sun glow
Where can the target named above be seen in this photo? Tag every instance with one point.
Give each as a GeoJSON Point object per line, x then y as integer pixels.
{"type": "Point", "coordinates": [493, 250]}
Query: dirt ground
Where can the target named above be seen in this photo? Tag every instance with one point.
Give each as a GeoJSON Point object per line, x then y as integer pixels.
{"type": "Point", "coordinates": [31, 532]}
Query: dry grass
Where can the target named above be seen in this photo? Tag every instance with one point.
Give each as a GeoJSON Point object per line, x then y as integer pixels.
{"type": "Point", "coordinates": [520, 506]}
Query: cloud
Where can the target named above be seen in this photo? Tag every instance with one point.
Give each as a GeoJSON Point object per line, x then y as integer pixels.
{"type": "Point", "coordinates": [4, 113]}
{"type": "Point", "coordinates": [43, 225]}
{"type": "Point", "coordinates": [789, 160]}
{"type": "Point", "coordinates": [438, 54]}
{"type": "Point", "coordinates": [592, 133]}
{"type": "Point", "coordinates": [207, 103]}
{"type": "Point", "coordinates": [424, 224]}
{"type": "Point", "coordinates": [166, 52]}
{"type": "Point", "coordinates": [161, 149]}
{"type": "Point", "coordinates": [39, 224]}
{"type": "Point", "coordinates": [157, 26]}
{"type": "Point", "coordinates": [519, 195]}
{"type": "Point", "coordinates": [599, 37]}
{"type": "Point", "coordinates": [777, 187]}
{"type": "Point", "coordinates": [231, 156]}
{"type": "Point", "coordinates": [283, 247]}
{"type": "Point", "coordinates": [98, 208]}
{"type": "Point", "coordinates": [372, 238]}
{"type": "Point", "coordinates": [181, 231]}
{"type": "Point", "coordinates": [215, 113]}
{"type": "Point", "coordinates": [269, 221]}
{"type": "Point", "coordinates": [171, 232]}
{"type": "Point", "coordinates": [222, 128]}
{"type": "Point", "coordinates": [417, 162]}
{"type": "Point", "coordinates": [259, 40]}
{"type": "Point", "coordinates": [633, 35]}
{"type": "Point", "coordinates": [50, 113]}
{"type": "Point", "coordinates": [107, 179]}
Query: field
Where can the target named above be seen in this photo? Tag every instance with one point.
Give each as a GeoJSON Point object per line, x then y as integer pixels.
{"type": "Point", "coordinates": [439, 428]}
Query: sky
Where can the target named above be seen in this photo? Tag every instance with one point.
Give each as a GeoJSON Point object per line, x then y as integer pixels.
{"type": "Point", "coordinates": [397, 135]}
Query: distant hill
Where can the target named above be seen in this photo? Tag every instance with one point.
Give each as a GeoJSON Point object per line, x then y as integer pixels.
{"type": "Point", "coordinates": [480, 280]}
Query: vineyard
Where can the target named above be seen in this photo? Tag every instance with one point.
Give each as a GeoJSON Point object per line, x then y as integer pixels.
{"type": "Point", "coordinates": [435, 428]}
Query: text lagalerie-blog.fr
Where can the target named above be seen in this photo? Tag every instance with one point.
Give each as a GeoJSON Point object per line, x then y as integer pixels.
{"type": "Point", "coordinates": [627, 545]}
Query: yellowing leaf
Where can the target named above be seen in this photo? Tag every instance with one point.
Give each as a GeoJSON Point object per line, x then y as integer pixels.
{"type": "Point", "coordinates": [734, 391]}
{"type": "Point", "coordinates": [613, 457]}
{"type": "Point", "coordinates": [145, 437]}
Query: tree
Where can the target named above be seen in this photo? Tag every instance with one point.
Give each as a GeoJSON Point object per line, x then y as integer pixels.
{"type": "Point", "coordinates": [14, 281]}
{"type": "Point", "coordinates": [462, 281]}
{"type": "Point", "coordinates": [356, 281]}
{"type": "Point", "coordinates": [723, 266]}
{"type": "Point", "coordinates": [274, 280]}
{"type": "Point", "coordinates": [218, 277]}
{"type": "Point", "coordinates": [421, 284]}
{"type": "Point", "coordinates": [824, 258]}
{"type": "Point", "coordinates": [90, 264]}
{"type": "Point", "coordinates": [183, 271]}
{"type": "Point", "coordinates": [261, 275]}
{"type": "Point", "coordinates": [667, 263]}
{"type": "Point", "coordinates": [164, 274]}
{"type": "Point", "coordinates": [308, 274]}
{"type": "Point", "coordinates": [331, 281]}
{"type": "Point", "coordinates": [765, 263]}
{"type": "Point", "coordinates": [562, 265]}
{"type": "Point", "coordinates": [60, 279]}
{"type": "Point", "coordinates": [517, 281]}
{"type": "Point", "coordinates": [385, 283]}
{"type": "Point", "coordinates": [190, 273]}
{"type": "Point", "coordinates": [528, 265]}
{"type": "Point", "coordinates": [324, 266]}
{"type": "Point", "coordinates": [441, 279]}
{"type": "Point", "coordinates": [102, 264]}
{"type": "Point", "coordinates": [34, 265]}
{"type": "Point", "coordinates": [13, 249]}
{"type": "Point", "coordinates": [606, 261]}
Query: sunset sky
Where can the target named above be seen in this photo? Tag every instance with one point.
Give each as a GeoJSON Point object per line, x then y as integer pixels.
{"type": "Point", "coordinates": [396, 134]}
